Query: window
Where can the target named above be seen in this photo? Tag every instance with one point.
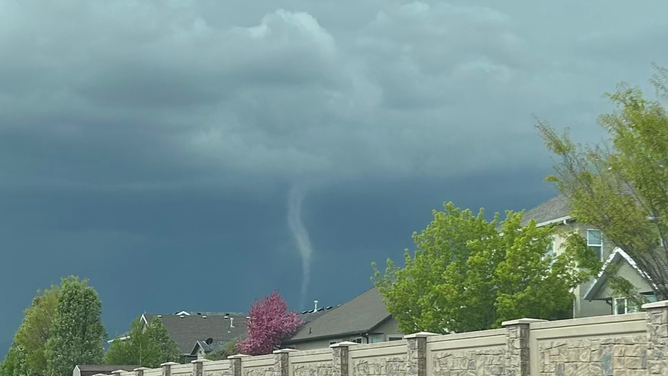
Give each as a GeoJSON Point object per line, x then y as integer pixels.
{"type": "Point", "coordinates": [395, 338]}
{"type": "Point", "coordinates": [551, 248]}
{"type": "Point", "coordinates": [357, 340]}
{"type": "Point", "coordinates": [621, 306]}
{"type": "Point", "coordinates": [375, 339]}
{"type": "Point", "coordinates": [595, 242]}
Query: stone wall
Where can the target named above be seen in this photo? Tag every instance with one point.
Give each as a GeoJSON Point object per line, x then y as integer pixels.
{"type": "Point", "coordinates": [627, 345]}
{"type": "Point", "coordinates": [379, 359]}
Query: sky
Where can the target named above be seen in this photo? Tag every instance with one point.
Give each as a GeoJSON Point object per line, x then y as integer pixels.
{"type": "Point", "coordinates": [198, 154]}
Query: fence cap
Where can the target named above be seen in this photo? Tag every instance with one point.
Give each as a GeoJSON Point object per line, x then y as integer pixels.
{"type": "Point", "coordinates": [118, 371]}
{"type": "Point", "coordinates": [659, 304]}
{"type": "Point", "coordinates": [238, 356]}
{"type": "Point", "coordinates": [169, 364]}
{"type": "Point", "coordinates": [343, 344]}
{"type": "Point", "coordinates": [141, 369]}
{"type": "Point", "coordinates": [284, 351]}
{"type": "Point", "coordinates": [199, 360]}
{"type": "Point", "coordinates": [419, 335]}
{"type": "Point", "coordinates": [521, 321]}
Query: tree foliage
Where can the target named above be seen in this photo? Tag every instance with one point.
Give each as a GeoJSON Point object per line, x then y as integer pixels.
{"type": "Point", "coordinates": [27, 354]}
{"type": "Point", "coordinates": [231, 348]}
{"type": "Point", "coordinates": [269, 324]}
{"type": "Point", "coordinates": [621, 185]}
{"type": "Point", "coordinates": [77, 332]}
{"type": "Point", "coordinates": [472, 274]}
{"type": "Point", "coordinates": [148, 345]}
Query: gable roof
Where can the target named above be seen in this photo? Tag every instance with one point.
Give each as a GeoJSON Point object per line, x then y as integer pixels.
{"type": "Point", "coordinates": [358, 316]}
{"type": "Point", "coordinates": [616, 257]}
{"type": "Point", "coordinates": [553, 210]}
{"type": "Point", "coordinates": [186, 330]}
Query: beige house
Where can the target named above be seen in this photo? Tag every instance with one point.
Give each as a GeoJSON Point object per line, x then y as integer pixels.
{"type": "Point", "coordinates": [363, 319]}
{"type": "Point", "coordinates": [595, 297]}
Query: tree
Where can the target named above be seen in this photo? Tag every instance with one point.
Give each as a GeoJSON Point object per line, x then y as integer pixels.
{"type": "Point", "coordinates": [231, 348]}
{"type": "Point", "coordinates": [26, 356]}
{"type": "Point", "coordinates": [148, 346]}
{"type": "Point", "coordinates": [269, 324]}
{"type": "Point", "coordinates": [77, 332]}
{"type": "Point", "coordinates": [470, 274]}
{"type": "Point", "coordinates": [621, 185]}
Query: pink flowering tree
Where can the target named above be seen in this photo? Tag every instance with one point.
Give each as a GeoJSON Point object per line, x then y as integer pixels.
{"type": "Point", "coordinates": [269, 324]}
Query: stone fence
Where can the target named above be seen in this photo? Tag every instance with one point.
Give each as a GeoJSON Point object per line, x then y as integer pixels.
{"type": "Point", "coordinates": [624, 345]}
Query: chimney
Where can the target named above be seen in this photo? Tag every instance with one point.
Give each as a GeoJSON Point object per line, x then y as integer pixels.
{"type": "Point", "coordinates": [231, 322]}
{"type": "Point", "coordinates": [203, 316]}
{"type": "Point", "coordinates": [315, 306]}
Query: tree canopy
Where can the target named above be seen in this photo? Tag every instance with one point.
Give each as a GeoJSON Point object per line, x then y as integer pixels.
{"type": "Point", "coordinates": [269, 324]}
{"type": "Point", "coordinates": [621, 184]}
{"type": "Point", "coordinates": [148, 345]}
{"type": "Point", "coordinates": [27, 353]}
{"type": "Point", "coordinates": [77, 332]}
{"type": "Point", "coordinates": [472, 274]}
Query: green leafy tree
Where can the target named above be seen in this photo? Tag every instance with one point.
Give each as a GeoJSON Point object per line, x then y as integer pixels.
{"type": "Point", "coordinates": [148, 345]}
{"type": "Point", "coordinates": [472, 274]}
{"type": "Point", "coordinates": [230, 349]}
{"type": "Point", "coordinates": [27, 354]}
{"type": "Point", "coordinates": [77, 332]}
{"type": "Point", "coordinates": [621, 184]}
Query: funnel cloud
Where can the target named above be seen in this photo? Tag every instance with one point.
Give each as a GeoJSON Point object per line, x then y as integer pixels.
{"type": "Point", "coordinates": [295, 200]}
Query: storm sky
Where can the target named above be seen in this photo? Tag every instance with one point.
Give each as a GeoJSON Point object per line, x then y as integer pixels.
{"type": "Point", "coordinates": [197, 155]}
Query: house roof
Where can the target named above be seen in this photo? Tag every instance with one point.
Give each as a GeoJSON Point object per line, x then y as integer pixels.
{"type": "Point", "coordinates": [89, 370]}
{"type": "Point", "coordinates": [186, 330]}
{"type": "Point", "coordinates": [617, 256]}
{"type": "Point", "coordinates": [554, 209]}
{"type": "Point", "coordinates": [360, 315]}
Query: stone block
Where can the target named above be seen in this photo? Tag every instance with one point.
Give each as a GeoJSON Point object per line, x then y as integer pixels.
{"type": "Point", "coordinates": [618, 362]}
{"type": "Point", "coordinates": [618, 350]}
{"type": "Point", "coordinates": [584, 355]}
{"type": "Point", "coordinates": [633, 362]}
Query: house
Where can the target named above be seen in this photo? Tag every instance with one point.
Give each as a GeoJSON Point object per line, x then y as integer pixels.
{"type": "Point", "coordinates": [90, 370]}
{"type": "Point", "coordinates": [198, 333]}
{"type": "Point", "coordinates": [363, 319]}
{"type": "Point", "coordinates": [594, 297]}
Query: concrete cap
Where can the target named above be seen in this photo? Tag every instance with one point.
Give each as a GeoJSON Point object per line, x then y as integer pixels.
{"type": "Point", "coordinates": [118, 371]}
{"type": "Point", "coordinates": [419, 335]}
{"type": "Point", "coordinates": [343, 344]}
{"type": "Point", "coordinates": [284, 351]}
{"type": "Point", "coordinates": [520, 321]}
{"type": "Point", "coordinates": [200, 360]}
{"type": "Point", "coordinates": [659, 304]}
{"type": "Point", "coordinates": [238, 356]}
{"type": "Point", "coordinates": [169, 364]}
{"type": "Point", "coordinates": [141, 369]}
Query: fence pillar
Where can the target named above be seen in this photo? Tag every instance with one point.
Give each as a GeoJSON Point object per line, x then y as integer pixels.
{"type": "Point", "coordinates": [417, 353]}
{"type": "Point", "coordinates": [139, 371]}
{"type": "Point", "coordinates": [517, 346]}
{"type": "Point", "coordinates": [657, 337]}
{"type": "Point", "coordinates": [340, 358]}
{"type": "Point", "coordinates": [235, 364]}
{"type": "Point", "coordinates": [198, 366]}
{"type": "Point", "coordinates": [167, 368]}
{"type": "Point", "coordinates": [282, 362]}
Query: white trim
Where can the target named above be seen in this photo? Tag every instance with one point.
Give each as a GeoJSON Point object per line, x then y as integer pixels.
{"type": "Point", "coordinates": [553, 221]}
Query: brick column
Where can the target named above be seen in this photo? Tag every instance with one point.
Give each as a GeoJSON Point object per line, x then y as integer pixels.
{"type": "Point", "coordinates": [140, 371]}
{"type": "Point", "coordinates": [198, 366]}
{"type": "Point", "coordinates": [167, 368]}
{"type": "Point", "coordinates": [340, 358]}
{"type": "Point", "coordinates": [282, 362]}
{"type": "Point", "coordinates": [657, 337]}
{"type": "Point", "coordinates": [517, 346]}
{"type": "Point", "coordinates": [235, 364]}
{"type": "Point", "coordinates": [416, 364]}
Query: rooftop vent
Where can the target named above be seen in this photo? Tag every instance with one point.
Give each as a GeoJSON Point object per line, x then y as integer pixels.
{"type": "Point", "coordinates": [203, 316]}
{"type": "Point", "coordinates": [209, 341]}
{"type": "Point", "coordinates": [315, 305]}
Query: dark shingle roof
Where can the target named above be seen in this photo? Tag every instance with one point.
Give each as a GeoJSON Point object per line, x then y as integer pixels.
{"type": "Point", "coordinates": [187, 330]}
{"type": "Point", "coordinates": [89, 370]}
{"type": "Point", "coordinates": [357, 316]}
{"type": "Point", "coordinates": [552, 209]}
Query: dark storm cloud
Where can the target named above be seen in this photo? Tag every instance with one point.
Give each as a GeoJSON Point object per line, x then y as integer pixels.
{"type": "Point", "coordinates": [151, 135]}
